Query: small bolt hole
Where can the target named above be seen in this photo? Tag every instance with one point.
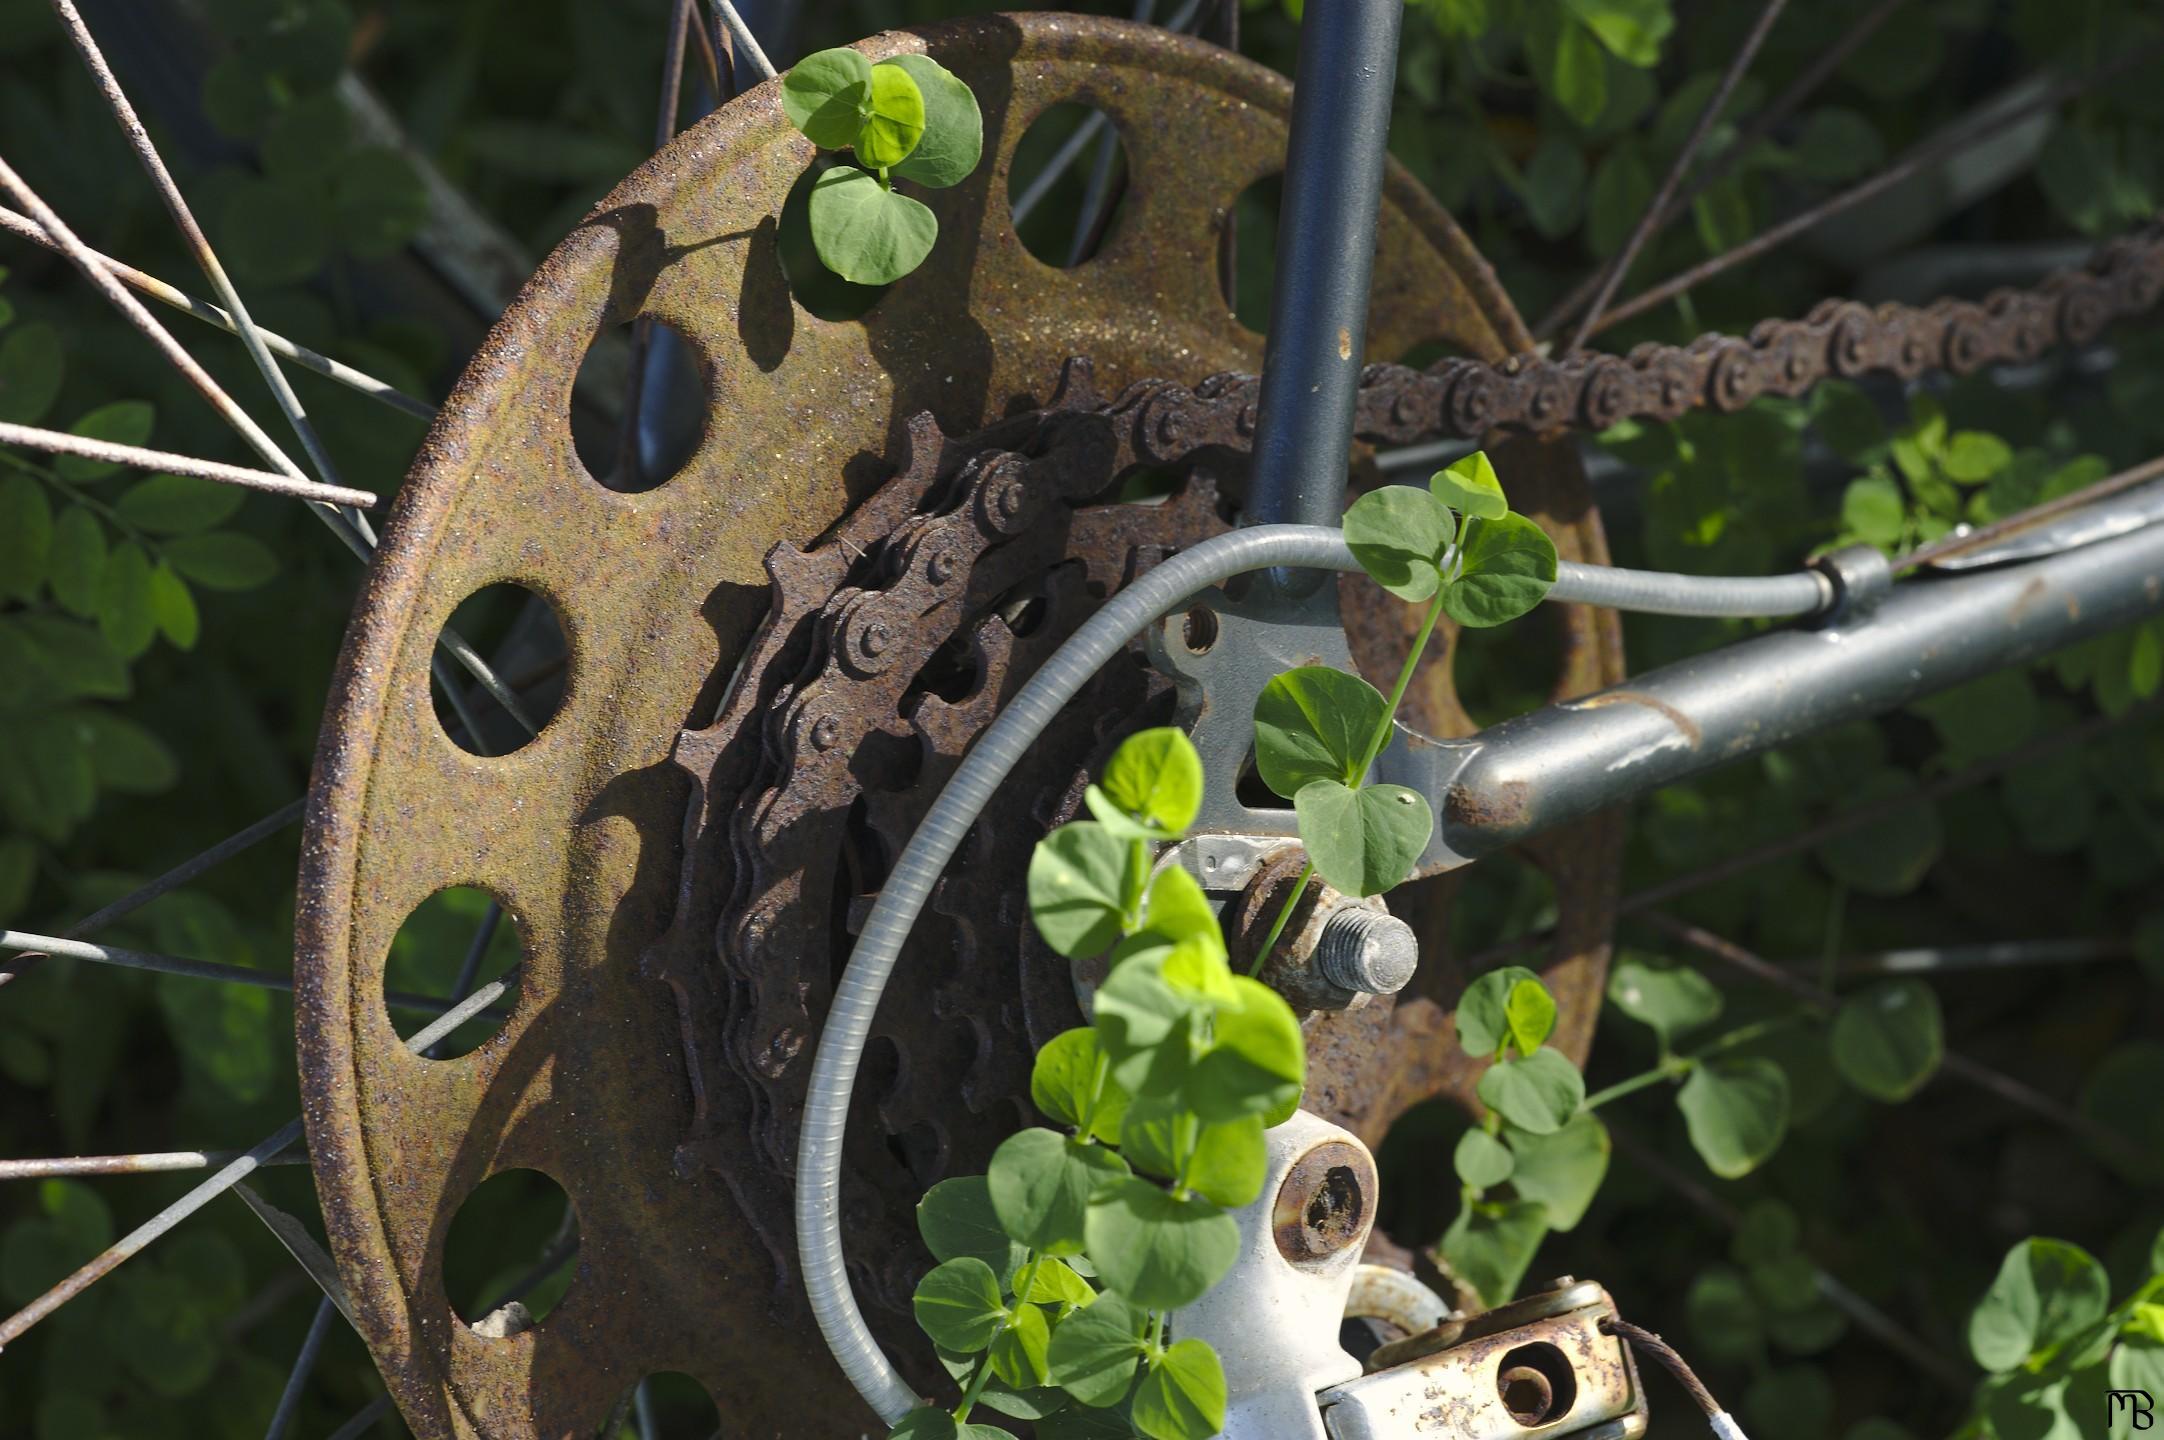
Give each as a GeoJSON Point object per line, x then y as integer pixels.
{"type": "Point", "coordinates": [1198, 630]}
{"type": "Point", "coordinates": [1536, 1384]}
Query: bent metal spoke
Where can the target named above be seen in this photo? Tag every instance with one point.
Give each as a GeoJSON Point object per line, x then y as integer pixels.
{"type": "Point", "coordinates": [232, 1173]}
{"type": "Point", "coordinates": [210, 314]}
{"type": "Point", "coordinates": [816, 433]}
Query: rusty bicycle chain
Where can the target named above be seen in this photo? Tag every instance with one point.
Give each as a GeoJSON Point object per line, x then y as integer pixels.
{"type": "Point", "coordinates": [1466, 399]}
{"type": "Point", "coordinates": [832, 690]}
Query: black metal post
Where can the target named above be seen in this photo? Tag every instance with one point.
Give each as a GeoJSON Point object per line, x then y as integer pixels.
{"type": "Point", "coordinates": [1325, 259]}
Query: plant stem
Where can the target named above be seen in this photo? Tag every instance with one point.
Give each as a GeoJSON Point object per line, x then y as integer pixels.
{"type": "Point", "coordinates": [1097, 1095]}
{"type": "Point", "coordinates": [1381, 736]}
{"type": "Point", "coordinates": [1137, 877]}
{"type": "Point", "coordinates": [1022, 1284]}
{"type": "Point", "coordinates": [976, 1388]}
{"type": "Point", "coordinates": [1677, 1066]}
{"type": "Point", "coordinates": [1284, 913]}
{"type": "Point", "coordinates": [1157, 1333]}
{"type": "Point", "coordinates": [1628, 1087]}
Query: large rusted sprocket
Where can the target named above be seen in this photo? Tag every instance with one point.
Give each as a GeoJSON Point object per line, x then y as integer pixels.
{"type": "Point", "coordinates": [676, 1163]}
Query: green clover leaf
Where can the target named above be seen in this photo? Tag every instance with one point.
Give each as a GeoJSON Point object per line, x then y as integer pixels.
{"type": "Point", "coordinates": [1363, 841]}
{"type": "Point", "coordinates": [827, 96]}
{"type": "Point", "coordinates": [1470, 487]}
{"type": "Point", "coordinates": [1041, 1182]}
{"type": "Point", "coordinates": [1399, 535]}
{"type": "Point", "coordinates": [1538, 1093]}
{"type": "Point", "coordinates": [865, 232]}
{"type": "Point", "coordinates": [894, 121]}
{"type": "Point", "coordinates": [1507, 566]}
{"type": "Point", "coordinates": [1314, 723]}
{"type": "Point", "coordinates": [953, 140]}
{"type": "Point", "coordinates": [958, 1304]}
{"type": "Point", "coordinates": [1158, 1250]}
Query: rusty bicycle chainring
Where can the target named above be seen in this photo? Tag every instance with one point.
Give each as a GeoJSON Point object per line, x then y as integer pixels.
{"type": "Point", "coordinates": [774, 660]}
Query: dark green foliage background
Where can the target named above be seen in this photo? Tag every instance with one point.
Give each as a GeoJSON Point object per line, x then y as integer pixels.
{"type": "Point", "coordinates": [129, 739]}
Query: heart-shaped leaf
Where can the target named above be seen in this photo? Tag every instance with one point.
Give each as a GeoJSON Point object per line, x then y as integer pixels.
{"type": "Point", "coordinates": [959, 1304]}
{"type": "Point", "coordinates": [1482, 1015]}
{"type": "Point", "coordinates": [1094, 1351]}
{"type": "Point", "coordinates": [1156, 1249]}
{"type": "Point", "coordinates": [1887, 1040]}
{"type": "Point", "coordinates": [1507, 568]}
{"type": "Point", "coordinates": [1183, 1395]}
{"type": "Point", "coordinates": [1672, 999]}
{"type": "Point", "coordinates": [1736, 1112]}
{"type": "Point", "coordinates": [1064, 1083]}
{"type": "Point", "coordinates": [865, 232]}
{"type": "Point", "coordinates": [1041, 1183]}
{"type": "Point", "coordinates": [827, 95]}
{"type": "Point", "coordinates": [895, 119]}
{"type": "Point", "coordinates": [1077, 885]}
{"type": "Point", "coordinates": [1538, 1093]}
{"type": "Point", "coordinates": [1314, 723]}
{"type": "Point", "coordinates": [1363, 841]}
{"type": "Point", "coordinates": [1155, 779]}
{"type": "Point", "coordinates": [1530, 1012]}
{"type": "Point", "coordinates": [1018, 1352]}
{"type": "Point", "coordinates": [2046, 1291]}
{"type": "Point", "coordinates": [1257, 1060]}
{"type": "Point", "coordinates": [1470, 487]}
{"type": "Point", "coordinates": [953, 125]}
{"type": "Point", "coordinates": [1489, 1246]}
{"type": "Point", "coordinates": [1562, 1171]}
{"type": "Point", "coordinates": [957, 1221]}
{"type": "Point", "coordinates": [1482, 1160]}
{"type": "Point", "coordinates": [1398, 534]}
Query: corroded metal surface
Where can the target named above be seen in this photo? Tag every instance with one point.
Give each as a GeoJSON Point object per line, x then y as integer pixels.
{"type": "Point", "coordinates": [1559, 1371]}
{"type": "Point", "coordinates": [1587, 390]}
{"type": "Point", "coordinates": [815, 453]}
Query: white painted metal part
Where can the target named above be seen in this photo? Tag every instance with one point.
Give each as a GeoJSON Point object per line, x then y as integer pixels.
{"type": "Point", "coordinates": [1273, 1320]}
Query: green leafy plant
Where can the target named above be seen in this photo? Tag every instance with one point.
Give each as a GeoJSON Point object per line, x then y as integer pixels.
{"type": "Point", "coordinates": [1058, 1268]}
{"type": "Point", "coordinates": [908, 118]}
{"type": "Point", "coordinates": [1459, 547]}
{"type": "Point", "coordinates": [2051, 1342]}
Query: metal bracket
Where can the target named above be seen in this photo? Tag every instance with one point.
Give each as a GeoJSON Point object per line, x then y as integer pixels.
{"type": "Point", "coordinates": [1274, 1319]}
{"type": "Point", "coordinates": [1541, 1365]}
{"type": "Point", "coordinates": [1220, 652]}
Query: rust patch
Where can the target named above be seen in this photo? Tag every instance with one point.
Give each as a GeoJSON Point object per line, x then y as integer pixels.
{"type": "Point", "coordinates": [1683, 723]}
{"type": "Point", "coordinates": [581, 833]}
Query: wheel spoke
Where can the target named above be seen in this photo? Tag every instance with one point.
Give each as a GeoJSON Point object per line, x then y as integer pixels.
{"type": "Point", "coordinates": [1874, 1321]}
{"type": "Point", "coordinates": [192, 235]}
{"type": "Point", "coordinates": [237, 1170]}
{"type": "Point", "coordinates": [187, 870]}
{"type": "Point", "coordinates": [55, 442]}
{"type": "Point", "coordinates": [741, 38]}
{"type": "Point", "coordinates": [1996, 955]}
{"type": "Point", "coordinates": [304, 1365]}
{"type": "Point", "coordinates": [1961, 1067]}
{"type": "Point", "coordinates": [151, 1163]}
{"type": "Point", "coordinates": [1650, 220]}
{"type": "Point", "coordinates": [1804, 86]}
{"type": "Point", "coordinates": [1953, 139]}
{"type": "Point", "coordinates": [210, 314]}
{"type": "Point", "coordinates": [49, 945]}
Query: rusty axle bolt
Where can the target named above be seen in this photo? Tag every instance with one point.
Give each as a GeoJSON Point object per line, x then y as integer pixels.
{"type": "Point", "coordinates": [1325, 1204]}
{"type": "Point", "coordinates": [1367, 950]}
